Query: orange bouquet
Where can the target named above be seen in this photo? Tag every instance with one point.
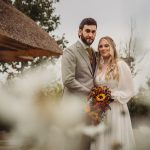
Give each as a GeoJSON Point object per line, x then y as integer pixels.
{"type": "Point", "coordinates": [98, 103]}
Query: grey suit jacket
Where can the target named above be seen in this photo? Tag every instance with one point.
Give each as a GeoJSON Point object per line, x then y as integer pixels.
{"type": "Point", "coordinates": [77, 74]}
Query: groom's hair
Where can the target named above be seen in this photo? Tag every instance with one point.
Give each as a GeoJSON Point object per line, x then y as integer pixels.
{"type": "Point", "coordinates": [87, 21]}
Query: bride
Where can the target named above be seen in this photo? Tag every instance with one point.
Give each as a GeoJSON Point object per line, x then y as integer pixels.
{"type": "Point", "coordinates": [115, 74]}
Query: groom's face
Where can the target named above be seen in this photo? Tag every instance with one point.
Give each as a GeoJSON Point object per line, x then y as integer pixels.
{"type": "Point", "coordinates": [87, 34]}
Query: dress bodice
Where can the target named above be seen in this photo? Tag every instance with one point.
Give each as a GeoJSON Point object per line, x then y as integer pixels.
{"type": "Point", "coordinates": [100, 80]}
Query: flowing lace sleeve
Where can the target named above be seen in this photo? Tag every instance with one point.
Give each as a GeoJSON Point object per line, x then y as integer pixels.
{"type": "Point", "coordinates": [125, 89]}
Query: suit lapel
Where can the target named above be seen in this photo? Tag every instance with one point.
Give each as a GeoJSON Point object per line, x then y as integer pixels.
{"type": "Point", "coordinates": [84, 54]}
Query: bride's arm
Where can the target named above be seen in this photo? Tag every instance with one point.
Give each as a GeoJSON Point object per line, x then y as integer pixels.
{"type": "Point", "coordinates": [125, 89]}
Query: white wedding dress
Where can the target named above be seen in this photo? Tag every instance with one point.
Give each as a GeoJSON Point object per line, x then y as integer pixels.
{"type": "Point", "coordinates": [117, 119]}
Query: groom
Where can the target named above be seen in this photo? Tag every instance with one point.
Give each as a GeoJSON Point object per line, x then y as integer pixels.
{"type": "Point", "coordinates": [79, 61]}
{"type": "Point", "coordinates": [78, 68]}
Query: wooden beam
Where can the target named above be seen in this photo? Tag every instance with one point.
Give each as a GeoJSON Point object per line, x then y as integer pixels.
{"type": "Point", "coordinates": [28, 52]}
{"type": "Point", "coordinates": [11, 43]}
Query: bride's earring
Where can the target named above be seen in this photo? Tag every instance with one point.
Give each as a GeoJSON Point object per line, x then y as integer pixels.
{"type": "Point", "coordinates": [101, 60]}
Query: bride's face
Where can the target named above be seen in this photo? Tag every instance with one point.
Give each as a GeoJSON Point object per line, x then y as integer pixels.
{"type": "Point", "coordinates": [104, 49]}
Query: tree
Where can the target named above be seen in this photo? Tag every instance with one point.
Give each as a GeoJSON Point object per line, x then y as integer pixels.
{"type": "Point", "coordinates": [136, 106]}
{"type": "Point", "coordinates": [41, 11]}
{"type": "Point", "coordinates": [129, 48]}
{"type": "Point", "coordinates": [139, 105]}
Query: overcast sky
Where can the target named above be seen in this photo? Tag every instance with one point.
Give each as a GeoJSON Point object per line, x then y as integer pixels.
{"type": "Point", "coordinates": [113, 18]}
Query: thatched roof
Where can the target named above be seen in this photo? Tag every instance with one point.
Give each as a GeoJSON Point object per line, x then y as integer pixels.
{"type": "Point", "coordinates": [21, 36]}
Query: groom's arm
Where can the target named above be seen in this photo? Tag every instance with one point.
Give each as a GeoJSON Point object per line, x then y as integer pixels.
{"type": "Point", "coordinates": [68, 73]}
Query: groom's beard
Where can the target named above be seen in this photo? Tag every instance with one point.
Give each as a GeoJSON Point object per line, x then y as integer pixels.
{"type": "Point", "coordinates": [87, 41]}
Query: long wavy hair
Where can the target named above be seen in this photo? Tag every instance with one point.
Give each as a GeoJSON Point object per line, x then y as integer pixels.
{"type": "Point", "coordinates": [112, 72]}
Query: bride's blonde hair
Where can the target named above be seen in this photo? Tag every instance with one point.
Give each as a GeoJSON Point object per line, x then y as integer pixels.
{"type": "Point", "coordinates": [112, 70]}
